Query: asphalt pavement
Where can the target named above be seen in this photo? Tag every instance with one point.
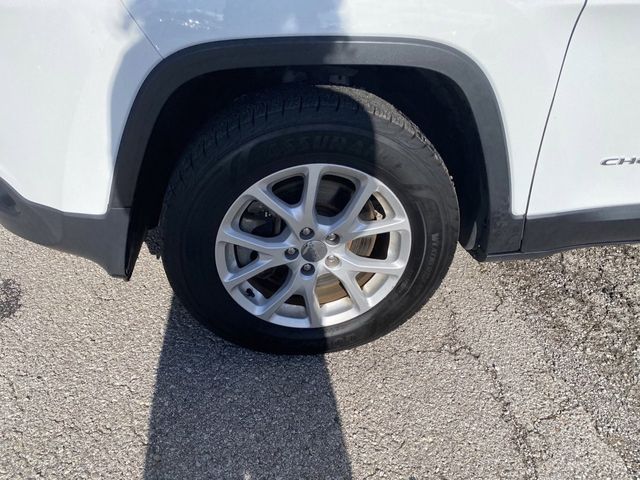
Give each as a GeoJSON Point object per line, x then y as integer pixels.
{"type": "Point", "coordinates": [519, 370]}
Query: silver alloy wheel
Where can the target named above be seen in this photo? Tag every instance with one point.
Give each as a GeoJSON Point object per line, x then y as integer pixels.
{"type": "Point", "coordinates": [312, 248]}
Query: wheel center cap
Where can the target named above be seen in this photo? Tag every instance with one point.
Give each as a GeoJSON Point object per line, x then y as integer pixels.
{"type": "Point", "coordinates": [314, 251]}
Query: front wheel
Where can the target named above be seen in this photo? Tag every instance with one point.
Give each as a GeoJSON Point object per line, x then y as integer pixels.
{"type": "Point", "coordinates": [308, 220]}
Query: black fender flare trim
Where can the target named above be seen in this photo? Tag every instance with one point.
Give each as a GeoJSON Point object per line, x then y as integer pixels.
{"type": "Point", "coordinates": [100, 238]}
{"type": "Point", "coordinates": [548, 234]}
{"type": "Point", "coordinates": [501, 231]}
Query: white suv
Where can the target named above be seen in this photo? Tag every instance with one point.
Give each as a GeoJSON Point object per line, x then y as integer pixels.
{"type": "Point", "coordinates": [312, 165]}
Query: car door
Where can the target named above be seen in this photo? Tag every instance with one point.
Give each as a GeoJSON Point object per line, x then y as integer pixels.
{"type": "Point", "coordinates": [588, 171]}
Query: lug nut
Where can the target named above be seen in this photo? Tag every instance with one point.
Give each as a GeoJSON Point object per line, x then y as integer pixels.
{"type": "Point", "coordinates": [307, 268]}
{"type": "Point", "coordinates": [332, 261]}
{"type": "Point", "coordinates": [306, 233]}
{"type": "Point", "coordinates": [332, 238]}
{"type": "Point", "coordinates": [291, 252]}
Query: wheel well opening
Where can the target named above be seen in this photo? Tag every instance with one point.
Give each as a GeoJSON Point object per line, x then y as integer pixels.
{"type": "Point", "coordinates": [431, 100]}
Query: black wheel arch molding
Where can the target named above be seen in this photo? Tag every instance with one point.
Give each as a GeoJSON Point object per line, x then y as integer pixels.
{"type": "Point", "coordinates": [498, 231]}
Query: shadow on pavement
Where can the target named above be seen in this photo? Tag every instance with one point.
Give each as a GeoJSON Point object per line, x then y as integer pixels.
{"type": "Point", "coordinates": [220, 411]}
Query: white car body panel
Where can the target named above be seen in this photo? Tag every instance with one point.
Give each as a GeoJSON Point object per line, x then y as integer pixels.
{"type": "Point", "coordinates": [594, 117]}
{"type": "Point", "coordinates": [64, 120]}
{"type": "Point", "coordinates": [61, 125]}
{"type": "Point", "coordinates": [518, 44]}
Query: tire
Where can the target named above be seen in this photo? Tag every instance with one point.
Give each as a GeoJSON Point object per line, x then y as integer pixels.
{"type": "Point", "coordinates": [355, 139]}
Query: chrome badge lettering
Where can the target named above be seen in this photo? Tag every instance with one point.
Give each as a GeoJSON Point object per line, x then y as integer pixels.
{"type": "Point", "coordinates": [610, 162]}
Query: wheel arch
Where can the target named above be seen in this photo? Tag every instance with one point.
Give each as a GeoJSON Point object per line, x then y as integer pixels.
{"type": "Point", "coordinates": [494, 230]}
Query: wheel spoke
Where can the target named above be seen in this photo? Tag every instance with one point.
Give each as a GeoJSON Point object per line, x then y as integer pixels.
{"type": "Point", "coordinates": [272, 202]}
{"type": "Point", "coordinates": [359, 264]}
{"type": "Point", "coordinates": [376, 227]}
{"type": "Point", "coordinates": [269, 308]}
{"type": "Point", "coordinates": [349, 215]}
{"type": "Point", "coordinates": [350, 284]}
{"type": "Point", "coordinates": [311, 303]}
{"type": "Point", "coordinates": [274, 247]}
{"type": "Point", "coordinates": [310, 194]}
{"type": "Point", "coordinates": [249, 271]}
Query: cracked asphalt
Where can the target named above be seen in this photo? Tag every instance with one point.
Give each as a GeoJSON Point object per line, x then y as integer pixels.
{"type": "Point", "coordinates": [520, 370]}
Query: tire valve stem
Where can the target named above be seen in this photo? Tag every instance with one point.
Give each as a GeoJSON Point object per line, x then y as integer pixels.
{"type": "Point", "coordinates": [250, 293]}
